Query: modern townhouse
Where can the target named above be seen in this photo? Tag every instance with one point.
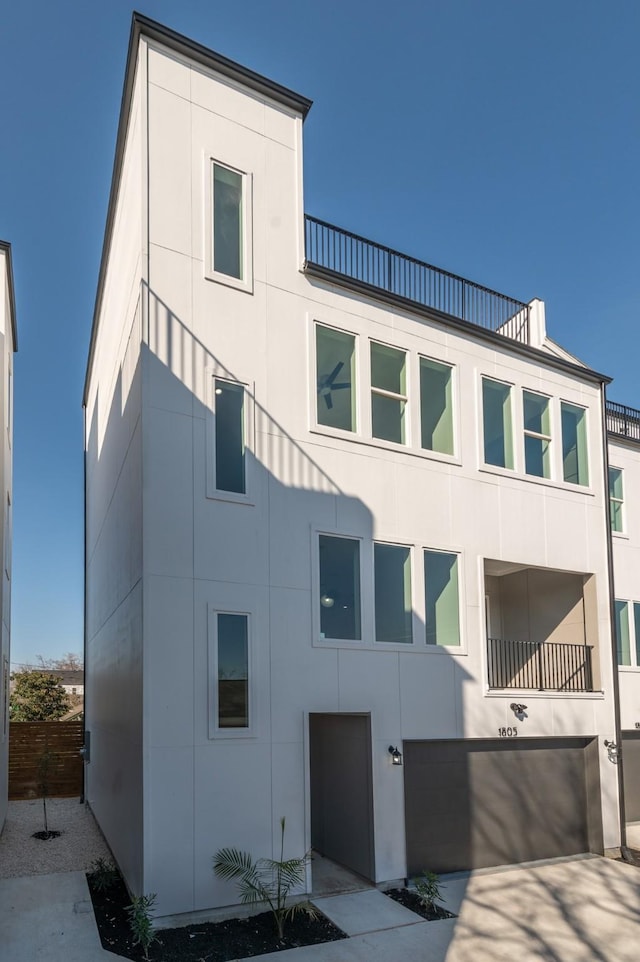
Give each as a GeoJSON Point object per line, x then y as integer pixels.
{"type": "Point", "coordinates": [8, 346]}
{"type": "Point", "coordinates": [346, 525]}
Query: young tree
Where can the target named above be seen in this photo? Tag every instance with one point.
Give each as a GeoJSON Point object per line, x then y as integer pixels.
{"type": "Point", "coordinates": [69, 661]}
{"type": "Point", "coordinates": [37, 696]}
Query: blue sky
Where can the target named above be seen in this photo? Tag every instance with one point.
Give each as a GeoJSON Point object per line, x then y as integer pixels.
{"type": "Point", "coordinates": [498, 139]}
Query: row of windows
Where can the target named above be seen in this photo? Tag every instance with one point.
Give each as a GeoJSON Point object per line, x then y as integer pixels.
{"type": "Point", "coordinates": [336, 374]}
{"type": "Point", "coordinates": [628, 632]}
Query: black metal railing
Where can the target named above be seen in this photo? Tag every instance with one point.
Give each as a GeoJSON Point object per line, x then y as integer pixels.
{"type": "Point", "coordinates": [623, 421]}
{"type": "Point", "coordinates": [539, 665]}
{"type": "Point", "coordinates": [380, 267]}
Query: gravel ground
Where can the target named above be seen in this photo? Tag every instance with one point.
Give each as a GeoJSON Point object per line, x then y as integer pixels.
{"type": "Point", "coordinates": [78, 845]}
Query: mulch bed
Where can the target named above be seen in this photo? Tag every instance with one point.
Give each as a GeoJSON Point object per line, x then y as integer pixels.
{"type": "Point", "coordinates": [412, 901]}
{"type": "Point", "coordinates": [207, 942]}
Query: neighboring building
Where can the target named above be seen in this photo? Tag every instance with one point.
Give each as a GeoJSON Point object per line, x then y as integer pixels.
{"type": "Point", "coordinates": [337, 502]}
{"type": "Point", "coordinates": [8, 346]}
{"type": "Point", "coordinates": [623, 426]}
{"type": "Point", "coordinates": [71, 679]}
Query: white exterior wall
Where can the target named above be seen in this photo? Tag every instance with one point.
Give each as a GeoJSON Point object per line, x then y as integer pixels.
{"type": "Point", "coordinates": [7, 348]}
{"type": "Point", "coordinates": [202, 553]}
{"type": "Point", "coordinates": [626, 568]}
{"type": "Point", "coordinates": [113, 445]}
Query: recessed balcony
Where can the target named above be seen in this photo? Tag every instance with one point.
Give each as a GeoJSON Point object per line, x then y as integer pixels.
{"type": "Point", "coordinates": [539, 665]}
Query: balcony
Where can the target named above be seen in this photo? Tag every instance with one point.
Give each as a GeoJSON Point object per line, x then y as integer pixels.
{"type": "Point", "coordinates": [539, 665]}
{"type": "Point", "coordinates": [375, 268]}
{"type": "Point", "coordinates": [622, 421]}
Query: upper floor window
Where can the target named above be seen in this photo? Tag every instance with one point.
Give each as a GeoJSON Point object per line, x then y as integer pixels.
{"type": "Point", "coordinates": [616, 499]}
{"type": "Point", "coordinates": [388, 393]}
{"type": "Point", "coordinates": [229, 427]}
{"type": "Point", "coordinates": [497, 423]}
{"type": "Point", "coordinates": [574, 444]}
{"type": "Point", "coordinates": [436, 409]}
{"type": "Point", "coordinates": [623, 642]}
{"type": "Point", "coordinates": [339, 588]}
{"type": "Point", "coordinates": [229, 240]}
{"type": "Point", "coordinates": [442, 598]}
{"type": "Point", "coordinates": [335, 378]}
{"type": "Point", "coordinates": [537, 434]}
{"type": "Point", "coordinates": [393, 605]}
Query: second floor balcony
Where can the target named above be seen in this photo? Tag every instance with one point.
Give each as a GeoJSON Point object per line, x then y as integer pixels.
{"type": "Point", "coordinates": [539, 665]}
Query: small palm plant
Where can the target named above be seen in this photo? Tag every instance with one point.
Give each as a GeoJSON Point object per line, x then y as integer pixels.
{"type": "Point", "coordinates": [265, 879]}
{"type": "Point", "coordinates": [428, 888]}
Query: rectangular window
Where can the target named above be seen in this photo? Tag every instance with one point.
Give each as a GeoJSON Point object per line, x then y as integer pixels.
{"type": "Point", "coordinates": [616, 499]}
{"type": "Point", "coordinates": [636, 625]}
{"type": "Point", "coordinates": [622, 633]}
{"type": "Point", "coordinates": [233, 670]}
{"type": "Point", "coordinates": [392, 570]}
{"type": "Point", "coordinates": [537, 434]}
{"type": "Point", "coordinates": [442, 598]}
{"type": "Point", "coordinates": [229, 436]}
{"type": "Point", "coordinates": [574, 444]}
{"type": "Point", "coordinates": [335, 377]}
{"type": "Point", "coordinates": [339, 588]}
{"type": "Point", "coordinates": [436, 411]}
{"type": "Point", "coordinates": [227, 222]}
{"type": "Point", "coordinates": [388, 393]}
{"type": "Point", "coordinates": [496, 417]}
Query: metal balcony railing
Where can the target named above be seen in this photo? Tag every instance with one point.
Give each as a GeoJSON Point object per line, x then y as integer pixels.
{"type": "Point", "coordinates": [380, 267]}
{"type": "Point", "coordinates": [623, 421]}
{"type": "Point", "coordinates": [539, 665]}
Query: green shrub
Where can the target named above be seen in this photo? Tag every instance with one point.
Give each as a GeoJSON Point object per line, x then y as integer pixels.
{"type": "Point", "coordinates": [141, 921]}
{"type": "Point", "coordinates": [428, 889]}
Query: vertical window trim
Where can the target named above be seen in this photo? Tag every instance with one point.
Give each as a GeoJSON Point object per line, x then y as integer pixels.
{"type": "Point", "coordinates": [613, 500]}
{"type": "Point", "coordinates": [215, 731]}
{"type": "Point", "coordinates": [585, 411]}
{"type": "Point", "coordinates": [527, 433]}
{"type": "Point", "coordinates": [212, 492]}
{"type": "Point", "coordinates": [246, 282]}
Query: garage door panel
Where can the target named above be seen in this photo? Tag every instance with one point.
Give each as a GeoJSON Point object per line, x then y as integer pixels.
{"type": "Point", "coordinates": [473, 804]}
{"type": "Point", "coordinates": [631, 773]}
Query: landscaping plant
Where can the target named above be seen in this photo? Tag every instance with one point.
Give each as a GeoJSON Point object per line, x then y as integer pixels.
{"type": "Point", "coordinates": [428, 889]}
{"type": "Point", "coordinates": [141, 921]}
{"type": "Point", "coordinates": [105, 874]}
{"type": "Point", "coordinates": [265, 879]}
{"type": "Point", "coordinates": [45, 762]}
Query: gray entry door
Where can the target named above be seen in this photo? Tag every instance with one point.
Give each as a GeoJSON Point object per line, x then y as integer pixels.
{"type": "Point", "coordinates": [631, 774]}
{"type": "Point", "coordinates": [478, 803]}
{"type": "Point", "coordinates": [341, 790]}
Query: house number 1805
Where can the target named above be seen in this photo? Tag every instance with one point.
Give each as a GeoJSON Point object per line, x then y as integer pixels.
{"type": "Point", "coordinates": [508, 732]}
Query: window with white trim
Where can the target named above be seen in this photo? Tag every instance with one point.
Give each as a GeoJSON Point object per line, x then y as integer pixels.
{"type": "Point", "coordinates": [436, 407]}
{"type": "Point", "coordinates": [335, 378]}
{"type": "Point", "coordinates": [229, 234]}
{"type": "Point", "coordinates": [627, 622]}
{"type": "Point", "coordinates": [537, 434]}
{"type": "Point", "coordinates": [497, 423]}
{"type": "Point", "coordinates": [393, 599]}
{"type": "Point", "coordinates": [229, 429]}
{"type": "Point", "coordinates": [340, 615]}
{"type": "Point", "coordinates": [388, 393]}
{"type": "Point", "coordinates": [575, 464]}
{"type": "Point", "coordinates": [442, 598]}
{"type": "Point", "coordinates": [231, 702]}
{"type": "Point", "coordinates": [616, 499]}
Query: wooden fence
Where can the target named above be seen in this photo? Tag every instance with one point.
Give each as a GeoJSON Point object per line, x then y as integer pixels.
{"type": "Point", "coordinates": [28, 741]}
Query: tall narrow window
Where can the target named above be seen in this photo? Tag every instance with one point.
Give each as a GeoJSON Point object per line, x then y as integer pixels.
{"type": "Point", "coordinates": [229, 435]}
{"type": "Point", "coordinates": [537, 434]}
{"type": "Point", "coordinates": [233, 671]}
{"type": "Point", "coordinates": [436, 413]}
{"type": "Point", "coordinates": [616, 498]}
{"type": "Point", "coordinates": [228, 238]}
{"type": "Point", "coordinates": [335, 374]}
{"type": "Point", "coordinates": [442, 598]}
{"type": "Point", "coordinates": [339, 588]}
{"type": "Point", "coordinates": [622, 633]}
{"type": "Point", "coordinates": [636, 627]}
{"type": "Point", "coordinates": [496, 417]}
{"type": "Point", "coordinates": [392, 565]}
{"type": "Point", "coordinates": [388, 393]}
{"type": "Point", "coordinates": [574, 444]}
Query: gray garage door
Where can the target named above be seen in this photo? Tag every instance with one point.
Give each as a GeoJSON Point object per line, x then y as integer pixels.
{"type": "Point", "coordinates": [631, 774]}
{"type": "Point", "coordinates": [476, 803]}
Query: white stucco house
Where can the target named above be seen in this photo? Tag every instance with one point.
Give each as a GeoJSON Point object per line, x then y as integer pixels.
{"type": "Point", "coordinates": [344, 510]}
{"type": "Point", "coordinates": [8, 346]}
{"type": "Point", "coordinates": [623, 427]}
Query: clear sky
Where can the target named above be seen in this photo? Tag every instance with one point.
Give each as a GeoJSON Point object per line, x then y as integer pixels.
{"type": "Point", "coordinates": [499, 139]}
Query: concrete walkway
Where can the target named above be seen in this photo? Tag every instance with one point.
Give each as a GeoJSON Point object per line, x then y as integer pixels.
{"type": "Point", "coordinates": [581, 910]}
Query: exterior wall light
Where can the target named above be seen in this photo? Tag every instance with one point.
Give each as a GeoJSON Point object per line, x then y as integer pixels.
{"type": "Point", "coordinates": [396, 756]}
{"type": "Point", "coordinates": [517, 708]}
{"type": "Point", "coordinates": [613, 750]}
{"type": "Point", "coordinates": [327, 601]}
